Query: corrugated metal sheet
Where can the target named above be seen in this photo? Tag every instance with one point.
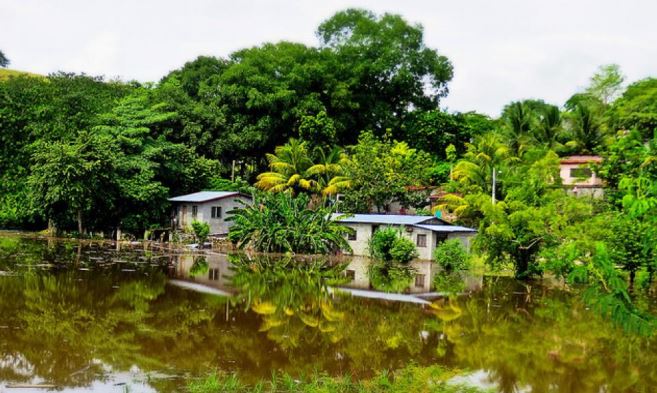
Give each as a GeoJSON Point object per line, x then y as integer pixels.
{"type": "Point", "coordinates": [445, 228]}
{"type": "Point", "coordinates": [204, 196]}
{"type": "Point", "coordinates": [384, 219]}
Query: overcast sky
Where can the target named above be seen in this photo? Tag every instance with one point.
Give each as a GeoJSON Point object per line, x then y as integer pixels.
{"type": "Point", "coordinates": [502, 50]}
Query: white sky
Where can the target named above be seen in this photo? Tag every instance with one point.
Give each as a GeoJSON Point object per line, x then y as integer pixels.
{"type": "Point", "coordinates": [502, 50]}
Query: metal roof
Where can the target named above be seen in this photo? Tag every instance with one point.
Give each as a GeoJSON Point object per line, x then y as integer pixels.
{"type": "Point", "coordinates": [386, 219]}
{"type": "Point", "coordinates": [204, 196]}
{"type": "Point", "coordinates": [445, 228]}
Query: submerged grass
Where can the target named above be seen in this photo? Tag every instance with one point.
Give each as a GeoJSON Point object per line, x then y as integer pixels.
{"type": "Point", "coordinates": [432, 379]}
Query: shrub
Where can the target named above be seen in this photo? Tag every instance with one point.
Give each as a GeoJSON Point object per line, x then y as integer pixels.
{"type": "Point", "coordinates": [389, 245]}
{"type": "Point", "coordinates": [279, 222]}
{"type": "Point", "coordinates": [451, 256]}
{"type": "Point", "coordinates": [201, 231]}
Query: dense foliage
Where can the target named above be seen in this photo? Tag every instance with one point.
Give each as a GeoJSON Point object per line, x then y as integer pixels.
{"type": "Point", "coordinates": [451, 255]}
{"type": "Point", "coordinates": [390, 245]}
{"type": "Point", "coordinates": [281, 222]}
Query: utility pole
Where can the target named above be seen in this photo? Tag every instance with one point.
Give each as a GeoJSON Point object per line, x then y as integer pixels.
{"type": "Point", "coordinates": [492, 193]}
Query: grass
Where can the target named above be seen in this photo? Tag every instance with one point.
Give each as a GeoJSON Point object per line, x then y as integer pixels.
{"type": "Point", "coordinates": [432, 379]}
{"type": "Point", "coordinates": [6, 74]}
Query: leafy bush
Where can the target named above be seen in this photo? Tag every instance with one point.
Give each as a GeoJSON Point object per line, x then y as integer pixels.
{"type": "Point", "coordinates": [389, 245]}
{"type": "Point", "coordinates": [279, 222]}
{"type": "Point", "coordinates": [201, 231]}
{"type": "Point", "coordinates": [403, 250]}
{"type": "Point", "coordinates": [451, 256]}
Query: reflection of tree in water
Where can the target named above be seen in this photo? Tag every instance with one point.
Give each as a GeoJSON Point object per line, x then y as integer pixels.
{"type": "Point", "coordinates": [291, 296]}
{"type": "Point", "coordinates": [200, 267]}
{"type": "Point", "coordinates": [390, 276]}
{"type": "Point", "coordinates": [547, 341]}
{"type": "Point", "coordinates": [60, 324]}
{"type": "Point", "coordinates": [60, 330]}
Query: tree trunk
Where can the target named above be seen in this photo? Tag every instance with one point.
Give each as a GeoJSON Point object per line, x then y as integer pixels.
{"type": "Point", "coordinates": [632, 276]}
{"type": "Point", "coordinates": [52, 228]}
{"type": "Point", "coordinates": [80, 222]}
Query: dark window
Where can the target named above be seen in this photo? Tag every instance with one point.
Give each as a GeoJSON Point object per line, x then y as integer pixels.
{"type": "Point", "coordinates": [216, 211]}
{"type": "Point", "coordinates": [352, 235]}
{"type": "Point", "coordinates": [421, 240]}
{"type": "Point", "coordinates": [374, 228]}
{"type": "Point", "coordinates": [350, 274]}
{"type": "Point", "coordinates": [213, 274]}
{"type": "Point", "coordinates": [580, 173]}
{"type": "Point", "coordinates": [419, 280]}
{"type": "Point", "coordinates": [194, 211]}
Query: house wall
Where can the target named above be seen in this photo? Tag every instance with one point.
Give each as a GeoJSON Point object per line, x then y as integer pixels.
{"type": "Point", "coordinates": [218, 226]}
{"type": "Point", "coordinates": [364, 233]}
{"type": "Point", "coordinates": [593, 186]}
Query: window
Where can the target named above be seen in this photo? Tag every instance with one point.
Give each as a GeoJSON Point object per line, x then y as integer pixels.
{"type": "Point", "coordinates": [374, 228]}
{"type": "Point", "coordinates": [216, 211]}
{"type": "Point", "coordinates": [352, 235]}
{"type": "Point", "coordinates": [419, 280]}
{"type": "Point", "coordinates": [580, 173]}
{"type": "Point", "coordinates": [421, 240]}
{"type": "Point", "coordinates": [194, 212]}
{"type": "Point", "coordinates": [350, 274]}
{"type": "Point", "coordinates": [213, 274]}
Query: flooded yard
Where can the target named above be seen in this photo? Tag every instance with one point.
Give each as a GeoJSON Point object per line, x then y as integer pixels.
{"type": "Point", "coordinates": [89, 317]}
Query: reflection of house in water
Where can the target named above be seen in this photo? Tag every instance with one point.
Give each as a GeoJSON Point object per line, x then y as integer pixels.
{"type": "Point", "coordinates": [208, 269]}
{"type": "Point", "coordinates": [214, 270]}
{"type": "Point", "coordinates": [357, 272]}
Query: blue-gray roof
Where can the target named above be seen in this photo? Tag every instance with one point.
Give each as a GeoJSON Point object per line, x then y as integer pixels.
{"type": "Point", "coordinates": [205, 196]}
{"type": "Point", "coordinates": [385, 219]}
{"type": "Point", "coordinates": [445, 228]}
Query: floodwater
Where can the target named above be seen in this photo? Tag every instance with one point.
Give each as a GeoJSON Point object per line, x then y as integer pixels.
{"type": "Point", "coordinates": [86, 317]}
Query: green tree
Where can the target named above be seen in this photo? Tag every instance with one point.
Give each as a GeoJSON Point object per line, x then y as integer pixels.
{"type": "Point", "coordinates": [451, 255]}
{"type": "Point", "coordinates": [382, 171]}
{"type": "Point", "coordinates": [606, 84]}
{"type": "Point", "coordinates": [66, 177]}
{"type": "Point", "coordinates": [4, 61]}
{"type": "Point", "coordinates": [636, 108]}
{"type": "Point", "coordinates": [390, 246]}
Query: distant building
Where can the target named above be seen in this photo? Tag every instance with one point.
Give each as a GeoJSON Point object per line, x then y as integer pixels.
{"type": "Point", "coordinates": [578, 177]}
{"type": "Point", "coordinates": [426, 232]}
{"type": "Point", "coordinates": [212, 207]}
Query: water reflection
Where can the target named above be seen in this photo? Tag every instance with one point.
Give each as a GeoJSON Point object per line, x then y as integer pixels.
{"type": "Point", "coordinates": [89, 316]}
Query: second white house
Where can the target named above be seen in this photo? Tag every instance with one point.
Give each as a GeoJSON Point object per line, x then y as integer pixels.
{"type": "Point", "coordinates": [427, 232]}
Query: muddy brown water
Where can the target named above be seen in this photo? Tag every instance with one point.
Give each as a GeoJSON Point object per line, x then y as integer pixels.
{"type": "Point", "coordinates": [86, 317]}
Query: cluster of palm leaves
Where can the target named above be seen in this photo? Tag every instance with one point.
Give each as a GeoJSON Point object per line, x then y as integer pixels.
{"type": "Point", "coordinates": [531, 123]}
{"type": "Point", "coordinates": [280, 222]}
{"type": "Point", "coordinates": [292, 169]}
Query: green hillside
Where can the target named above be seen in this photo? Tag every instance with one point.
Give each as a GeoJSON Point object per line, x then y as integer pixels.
{"type": "Point", "coordinates": [7, 73]}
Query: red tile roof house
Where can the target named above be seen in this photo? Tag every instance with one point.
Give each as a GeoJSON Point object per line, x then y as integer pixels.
{"type": "Point", "coordinates": [578, 176]}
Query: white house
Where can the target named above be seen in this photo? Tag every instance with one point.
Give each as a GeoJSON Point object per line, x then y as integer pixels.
{"type": "Point", "coordinates": [578, 178]}
{"type": "Point", "coordinates": [212, 207]}
{"type": "Point", "coordinates": [425, 231]}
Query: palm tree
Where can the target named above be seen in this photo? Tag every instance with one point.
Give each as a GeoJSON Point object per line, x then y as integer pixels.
{"type": "Point", "coordinates": [549, 127]}
{"type": "Point", "coordinates": [330, 171]}
{"type": "Point", "coordinates": [585, 129]}
{"type": "Point", "coordinates": [518, 123]}
{"type": "Point", "coordinates": [288, 169]}
{"type": "Point", "coordinates": [488, 152]}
